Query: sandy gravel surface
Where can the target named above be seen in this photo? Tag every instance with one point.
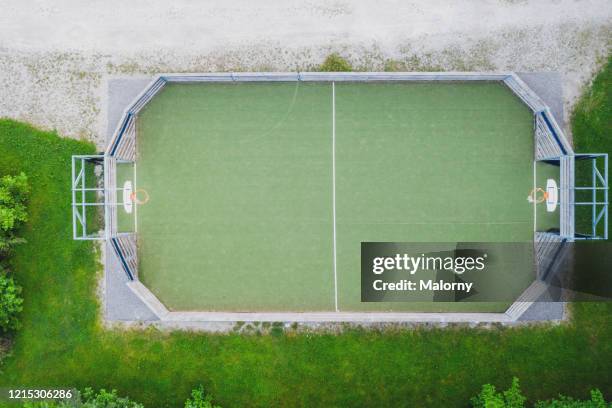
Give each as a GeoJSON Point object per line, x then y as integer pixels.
{"type": "Point", "coordinates": [55, 57]}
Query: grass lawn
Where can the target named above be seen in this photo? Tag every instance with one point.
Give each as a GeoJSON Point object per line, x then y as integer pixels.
{"type": "Point", "coordinates": [592, 129]}
{"type": "Point", "coordinates": [62, 344]}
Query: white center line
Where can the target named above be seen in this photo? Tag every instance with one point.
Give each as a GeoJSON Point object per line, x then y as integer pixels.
{"type": "Point", "coordinates": [535, 211]}
{"type": "Point", "coordinates": [334, 187]}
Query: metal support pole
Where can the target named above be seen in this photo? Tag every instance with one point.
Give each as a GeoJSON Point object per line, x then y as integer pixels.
{"type": "Point", "coordinates": [594, 195]}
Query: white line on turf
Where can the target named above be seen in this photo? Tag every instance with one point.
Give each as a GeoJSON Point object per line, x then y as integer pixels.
{"type": "Point", "coordinates": [334, 188]}
{"type": "Point", "coordinates": [535, 212]}
{"type": "Point", "coordinates": [135, 204]}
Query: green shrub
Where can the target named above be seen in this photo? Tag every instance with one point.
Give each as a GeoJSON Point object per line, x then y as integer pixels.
{"type": "Point", "coordinates": [596, 401]}
{"type": "Point", "coordinates": [199, 399]}
{"type": "Point", "coordinates": [335, 63]}
{"type": "Point", "coordinates": [14, 192]}
{"type": "Point", "coordinates": [10, 302]}
{"type": "Point", "coordinates": [105, 399]}
{"type": "Point", "coordinates": [490, 398]}
{"type": "Point", "coordinates": [513, 398]}
{"type": "Point", "coordinates": [89, 399]}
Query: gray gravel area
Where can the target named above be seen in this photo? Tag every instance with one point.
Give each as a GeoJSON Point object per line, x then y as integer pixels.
{"type": "Point", "coordinates": [55, 57]}
{"type": "Point", "coordinates": [121, 92]}
{"type": "Point", "coordinates": [120, 303]}
{"type": "Point", "coordinates": [549, 87]}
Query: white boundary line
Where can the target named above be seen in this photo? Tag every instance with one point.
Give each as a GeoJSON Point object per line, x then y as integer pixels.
{"type": "Point", "coordinates": [334, 189]}
{"type": "Point", "coordinates": [535, 210]}
{"type": "Point", "coordinates": [135, 204]}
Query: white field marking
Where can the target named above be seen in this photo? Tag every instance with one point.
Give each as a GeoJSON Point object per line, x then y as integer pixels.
{"type": "Point", "coordinates": [553, 195]}
{"type": "Point", "coordinates": [334, 188]}
{"type": "Point", "coordinates": [535, 212]}
{"type": "Point", "coordinates": [128, 205]}
{"type": "Point", "coordinates": [435, 223]}
{"type": "Point", "coordinates": [136, 205]}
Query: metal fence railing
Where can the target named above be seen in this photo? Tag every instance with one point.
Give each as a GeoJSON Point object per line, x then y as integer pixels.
{"type": "Point", "coordinates": [123, 142]}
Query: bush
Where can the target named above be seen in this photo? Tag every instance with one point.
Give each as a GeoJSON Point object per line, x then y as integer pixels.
{"type": "Point", "coordinates": [335, 63]}
{"type": "Point", "coordinates": [596, 401]}
{"type": "Point", "coordinates": [513, 398]}
{"type": "Point", "coordinates": [10, 302]}
{"type": "Point", "coordinates": [489, 398]}
{"type": "Point", "coordinates": [199, 399]}
{"type": "Point", "coordinates": [105, 399]}
{"type": "Point", "coordinates": [14, 192]}
{"type": "Point", "coordinates": [89, 399]}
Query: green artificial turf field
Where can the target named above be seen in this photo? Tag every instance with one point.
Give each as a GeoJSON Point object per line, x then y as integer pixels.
{"type": "Point", "coordinates": [242, 180]}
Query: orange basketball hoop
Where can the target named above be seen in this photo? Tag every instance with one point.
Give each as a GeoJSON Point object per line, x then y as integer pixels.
{"type": "Point", "coordinates": [537, 195]}
{"type": "Point", "coordinates": [140, 196]}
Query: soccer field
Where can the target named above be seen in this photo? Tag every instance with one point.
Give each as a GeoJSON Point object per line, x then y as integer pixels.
{"type": "Point", "coordinates": [261, 193]}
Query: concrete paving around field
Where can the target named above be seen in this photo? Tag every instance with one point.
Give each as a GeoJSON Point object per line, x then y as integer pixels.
{"type": "Point", "coordinates": [120, 304]}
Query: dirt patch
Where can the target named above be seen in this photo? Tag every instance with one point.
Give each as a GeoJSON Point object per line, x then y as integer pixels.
{"type": "Point", "coordinates": [55, 59]}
